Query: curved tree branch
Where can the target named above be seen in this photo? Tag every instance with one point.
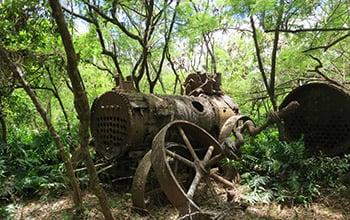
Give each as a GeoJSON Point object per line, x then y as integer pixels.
{"type": "Point", "coordinates": [326, 47]}
{"type": "Point", "coordinates": [318, 71]}
{"type": "Point", "coordinates": [295, 31]}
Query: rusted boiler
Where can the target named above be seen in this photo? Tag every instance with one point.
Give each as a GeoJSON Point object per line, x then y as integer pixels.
{"type": "Point", "coordinates": [124, 120]}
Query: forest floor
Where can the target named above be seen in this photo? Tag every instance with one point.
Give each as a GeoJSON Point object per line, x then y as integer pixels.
{"type": "Point", "coordinates": [334, 205]}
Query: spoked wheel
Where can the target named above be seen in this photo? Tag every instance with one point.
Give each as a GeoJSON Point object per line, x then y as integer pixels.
{"type": "Point", "coordinates": [145, 189]}
{"type": "Point", "coordinates": [182, 186]}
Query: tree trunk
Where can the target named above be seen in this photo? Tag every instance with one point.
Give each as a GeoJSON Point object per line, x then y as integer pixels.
{"type": "Point", "coordinates": [57, 139]}
{"type": "Point", "coordinates": [3, 124]}
{"type": "Point", "coordinates": [81, 105]}
{"type": "Point", "coordinates": [3, 128]}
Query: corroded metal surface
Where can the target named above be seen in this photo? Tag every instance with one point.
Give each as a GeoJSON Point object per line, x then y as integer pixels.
{"type": "Point", "coordinates": [202, 83]}
{"type": "Point", "coordinates": [124, 120]}
{"type": "Point", "coordinates": [239, 124]}
{"type": "Point", "coordinates": [145, 189]}
{"type": "Point", "coordinates": [231, 125]}
{"type": "Point", "coordinates": [323, 119]}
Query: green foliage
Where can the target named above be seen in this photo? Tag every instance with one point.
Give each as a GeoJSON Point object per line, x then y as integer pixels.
{"type": "Point", "coordinates": [286, 173]}
{"type": "Point", "coordinates": [30, 167]}
{"type": "Point", "coordinates": [24, 25]}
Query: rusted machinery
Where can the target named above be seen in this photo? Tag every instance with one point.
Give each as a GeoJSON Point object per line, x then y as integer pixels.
{"type": "Point", "coordinates": [181, 137]}
{"type": "Point", "coordinates": [323, 119]}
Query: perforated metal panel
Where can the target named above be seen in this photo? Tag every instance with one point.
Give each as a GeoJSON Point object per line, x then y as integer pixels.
{"type": "Point", "coordinates": [113, 129]}
{"type": "Point", "coordinates": [323, 118]}
{"type": "Point", "coordinates": [110, 123]}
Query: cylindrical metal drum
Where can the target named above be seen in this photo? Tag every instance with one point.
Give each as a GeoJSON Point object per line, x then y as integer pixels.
{"type": "Point", "coordinates": [123, 121]}
{"type": "Point", "coordinates": [323, 118]}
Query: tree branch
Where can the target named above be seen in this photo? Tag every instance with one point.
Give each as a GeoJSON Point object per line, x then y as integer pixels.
{"type": "Point", "coordinates": [81, 104]}
{"type": "Point", "coordinates": [308, 30]}
{"type": "Point", "coordinates": [326, 47]}
{"type": "Point", "coordinates": [99, 67]}
{"type": "Point", "coordinates": [18, 73]}
{"type": "Point", "coordinates": [102, 41]}
{"type": "Point", "coordinates": [78, 15]}
{"type": "Point", "coordinates": [3, 123]}
{"type": "Point", "coordinates": [258, 54]}
{"type": "Point", "coordinates": [131, 21]}
{"type": "Point", "coordinates": [177, 77]}
{"type": "Point", "coordinates": [318, 71]}
{"type": "Point", "coordinates": [274, 58]}
{"type": "Point", "coordinates": [165, 48]}
{"type": "Point", "coordinates": [133, 10]}
{"type": "Point", "coordinates": [114, 20]}
{"type": "Point", "coordinates": [60, 102]}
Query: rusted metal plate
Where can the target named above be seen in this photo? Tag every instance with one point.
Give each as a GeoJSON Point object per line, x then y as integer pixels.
{"type": "Point", "coordinates": [139, 181]}
{"type": "Point", "coordinates": [323, 118]}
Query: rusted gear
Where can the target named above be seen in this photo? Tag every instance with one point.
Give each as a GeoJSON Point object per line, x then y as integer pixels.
{"type": "Point", "coordinates": [204, 153]}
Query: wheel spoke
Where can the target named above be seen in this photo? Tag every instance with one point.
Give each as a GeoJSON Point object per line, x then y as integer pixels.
{"type": "Point", "coordinates": [188, 144]}
{"type": "Point", "coordinates": [222, 180]}
{"type": "Point", "coordinates": [194, 184]}
{"type": "Point", "coordinates": [208, 155]}
{"type": "Point", "coordinates": [214, 160]}
{"type": "Point", "coordinates": [180, 158]}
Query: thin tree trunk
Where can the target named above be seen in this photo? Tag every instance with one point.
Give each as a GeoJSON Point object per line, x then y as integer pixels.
{"type": "Point", "coordinates": [274, 59]}
{"type": "Point", "coordinates": [81, 105]}
{"type": "Point", "coordinates": [57, 139]}
{"type": "Point", "coordinates": [270, 87]}
{"type": "Point", "coordinates": [3, 128]}
{"type": "Point", "coordinates": [3, 123]}
{"type": "Point", "coordinates": [60, 102]}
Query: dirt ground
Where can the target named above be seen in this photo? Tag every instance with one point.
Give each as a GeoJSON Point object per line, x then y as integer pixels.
{"type": "Point", "coordinates": [330, 206]}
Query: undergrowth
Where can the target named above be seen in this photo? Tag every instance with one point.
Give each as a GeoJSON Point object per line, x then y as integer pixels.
{"type": "Point", "coordinates": [31, 167]}
{"type": "Point", "coordinates": [285, 172]}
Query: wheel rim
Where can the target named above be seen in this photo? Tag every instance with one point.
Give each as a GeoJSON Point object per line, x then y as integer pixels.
{"type": "Point", "coordinates": [145, 190]}
{"type": "Point", "coordinates": [204, 151]}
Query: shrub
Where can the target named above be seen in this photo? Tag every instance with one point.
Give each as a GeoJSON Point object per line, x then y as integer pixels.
{"type": "Point", "coordinates": [284, 172]}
